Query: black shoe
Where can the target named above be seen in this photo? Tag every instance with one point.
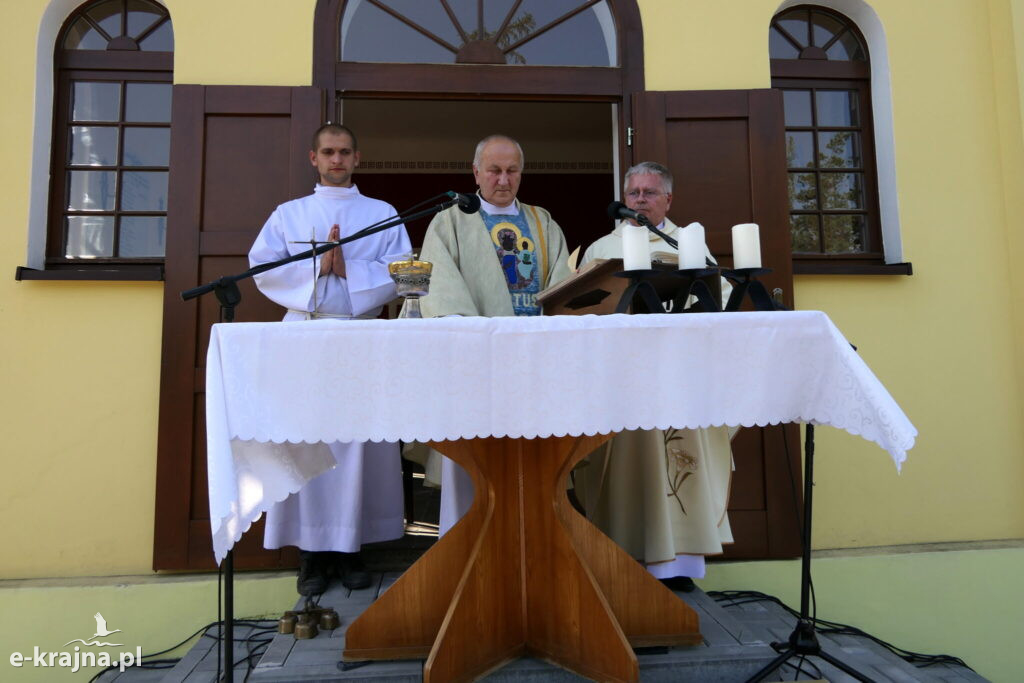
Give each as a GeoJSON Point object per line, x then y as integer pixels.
{"type": "Point", "coordinates": [312, 573]}
{"type": "Point", "coordinates": [682, 584]}
{"type": "Point", "coordinates": [350, 567]}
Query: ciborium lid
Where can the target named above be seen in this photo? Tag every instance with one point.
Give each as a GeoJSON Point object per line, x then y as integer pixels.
{"type": "Point", "coordinates": [409, 267]}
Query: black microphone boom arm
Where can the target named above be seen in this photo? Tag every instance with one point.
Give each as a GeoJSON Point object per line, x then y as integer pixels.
{"type": "Point", "coordinates": [228, 280]}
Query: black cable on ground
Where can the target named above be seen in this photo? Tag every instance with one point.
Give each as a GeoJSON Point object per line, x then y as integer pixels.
{"type": "Point", "coordinates": [262, 627]}
{"type": "Point", "coordinates": [920, 660]}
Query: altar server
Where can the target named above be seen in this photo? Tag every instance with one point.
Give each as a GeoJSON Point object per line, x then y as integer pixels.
{"type": "Point", "coordinates": [360, 500]}
{"type": "Point", "coordinates": [661, 496]}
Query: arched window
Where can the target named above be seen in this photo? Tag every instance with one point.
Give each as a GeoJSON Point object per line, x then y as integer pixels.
{"type": "Point", "coordinates": [546, 32]}
{"type": "Point", "coordinates": [820, 61]}
{"type": "Point", "coordinates": [111, 143]}
{"type": "Point", "coordinates": [565, 50]}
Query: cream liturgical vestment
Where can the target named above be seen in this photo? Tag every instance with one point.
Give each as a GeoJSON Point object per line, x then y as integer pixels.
{"type": "Point", "coordinates": [360, 500]}
{"type": "Point", "coordinates": [467, 279]}
{"type": "Point", "coordinates": [661, 496]}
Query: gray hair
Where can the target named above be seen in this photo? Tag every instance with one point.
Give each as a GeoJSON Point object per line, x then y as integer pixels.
{"type": "Point", "coordinates": [650, 168]}
{"type": "Point", "coordinates": [495, 138]}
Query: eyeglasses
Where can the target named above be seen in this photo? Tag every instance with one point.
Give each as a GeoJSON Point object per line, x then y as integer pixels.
{"type": "Point", "coordinates": [646, 194]}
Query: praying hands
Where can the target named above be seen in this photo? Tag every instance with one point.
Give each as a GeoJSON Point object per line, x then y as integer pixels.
{"type": "Point", "coordinates": [334, 260]}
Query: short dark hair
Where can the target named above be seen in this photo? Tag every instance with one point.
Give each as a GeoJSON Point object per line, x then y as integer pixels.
{"type": "Point", "coordinates": [336, 129]}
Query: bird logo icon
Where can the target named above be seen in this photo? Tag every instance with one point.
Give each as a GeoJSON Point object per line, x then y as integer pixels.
{"type": "Point", "coordinates": [101, 632]}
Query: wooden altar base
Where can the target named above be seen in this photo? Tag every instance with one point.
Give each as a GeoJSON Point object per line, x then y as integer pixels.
{"type": "Point", "coordinates": [735, 646]}
{"type": "Point", "coordinates": [522, 575]}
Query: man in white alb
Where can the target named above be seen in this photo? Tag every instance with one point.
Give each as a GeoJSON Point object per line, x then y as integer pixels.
{"type": "Point", "coordinates": [662, 496]}
{"type": "Point", "coordinates": [360, 500]}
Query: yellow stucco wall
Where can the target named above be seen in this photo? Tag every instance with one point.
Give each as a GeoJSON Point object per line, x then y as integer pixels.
{"type": "Point", "coordinates": [243, 42]}
{"type": "Point", "coordinates": [81, 361]}
{"type": "Point", "coordinates": [1007, 20]}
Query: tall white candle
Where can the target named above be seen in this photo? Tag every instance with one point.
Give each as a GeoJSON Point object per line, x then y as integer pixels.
{"type": "Point", "coordinates": [746, 246]}
{"type": "Point", "coordinates": [691, 247]}
{"type": "Point", "coordinates": [636, 255]}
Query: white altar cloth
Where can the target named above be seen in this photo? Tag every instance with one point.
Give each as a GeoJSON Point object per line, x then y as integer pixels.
{"type": "Point", "coordinates": [277, 393]}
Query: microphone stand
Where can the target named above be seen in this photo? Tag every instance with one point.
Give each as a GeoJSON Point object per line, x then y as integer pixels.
{"type": "Point", "coordinates": [226, 290]}
{"type": "Point", "coordinates": [803, 641]}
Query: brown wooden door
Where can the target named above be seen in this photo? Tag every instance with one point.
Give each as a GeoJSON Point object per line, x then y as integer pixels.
{"type": "Point", "coordinates": [726, 150]}
{"type": "Point", "coordinates": [236, 153]}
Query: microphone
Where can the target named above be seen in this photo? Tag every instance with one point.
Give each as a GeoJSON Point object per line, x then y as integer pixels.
{"type": "Point", "coordinates": [468, 203]}
{"type": "Point", "coordinates": [618, 210]}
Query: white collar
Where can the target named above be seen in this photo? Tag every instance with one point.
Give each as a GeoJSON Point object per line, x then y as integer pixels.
{"type": "Point", "coordinates": [510, 210]}
{"type": "Point", "coordinates": [331, 192]}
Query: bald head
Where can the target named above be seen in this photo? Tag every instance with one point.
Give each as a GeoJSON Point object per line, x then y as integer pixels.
{"type": "Point", "coordinates": [496, 138]}
{"type": "Point", "coordinates": [498, 168]}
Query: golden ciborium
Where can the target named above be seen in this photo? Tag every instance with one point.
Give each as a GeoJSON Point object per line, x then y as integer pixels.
{"type": "Point", "coordinates": [412, 280]}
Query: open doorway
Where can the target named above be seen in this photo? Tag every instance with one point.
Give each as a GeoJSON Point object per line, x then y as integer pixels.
{"type": "Point", "coordinates": [414, 149]}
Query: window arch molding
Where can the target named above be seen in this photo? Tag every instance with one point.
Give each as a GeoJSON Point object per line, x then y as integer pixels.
{"type": "Point", "coordinates": [609, 83]}
{"type": "Point", "coordinates": [870, 25]}
{"type": "Point", "coordinates": [53, 22]}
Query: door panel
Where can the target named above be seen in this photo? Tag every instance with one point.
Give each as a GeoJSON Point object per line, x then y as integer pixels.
{"type": "Point", "coordinates": [236, 153]}
{"type": "Point", "coordinates": [726, 152]}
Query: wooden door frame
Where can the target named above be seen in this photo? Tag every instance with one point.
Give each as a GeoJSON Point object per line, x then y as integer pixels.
{"type": "Point", "coordinates": [487, 81]}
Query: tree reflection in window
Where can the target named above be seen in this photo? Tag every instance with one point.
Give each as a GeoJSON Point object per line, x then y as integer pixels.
{"type": "Point", "coordinates": [537, 32]}
{"type": "Point", "coordinates": [819, 61]}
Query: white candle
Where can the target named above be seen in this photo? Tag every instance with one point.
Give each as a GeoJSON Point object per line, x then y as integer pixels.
{"type": "Point", "coordinates": [691, 247]}
{"type": "Point", "coordinates": [636, 255]}
{"type": "Point", "coordinates": [746, 246]}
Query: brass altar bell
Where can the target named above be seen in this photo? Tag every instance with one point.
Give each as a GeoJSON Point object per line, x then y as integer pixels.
{"type": "Point", "coordinates": [306, 623]}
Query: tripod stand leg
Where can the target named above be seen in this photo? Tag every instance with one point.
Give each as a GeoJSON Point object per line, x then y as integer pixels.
{"type": "Point", "coordinates": [790, 652]}
{"type": "Point", "coordinates": [772, 666]}
{"type": "Point", "coordinates": [804, 639]}
{"type": "Point", "coordinates": [845, 668]}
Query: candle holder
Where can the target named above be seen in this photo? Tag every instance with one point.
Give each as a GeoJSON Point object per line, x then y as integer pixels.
{"type": "Point", "coordinates": [649, 290]}
{"type": "Point", "coordinates": [693, 285]}
{"type": "Point", "coordinates": [641, 288]}
{"type": "Point", "coordinates": [744, 284]}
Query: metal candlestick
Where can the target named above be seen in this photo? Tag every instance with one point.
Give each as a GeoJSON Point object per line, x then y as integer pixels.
{"type": "Point", "coordinates": [744, 284]}
{"type": "Point", "coordinates": [650, 290]}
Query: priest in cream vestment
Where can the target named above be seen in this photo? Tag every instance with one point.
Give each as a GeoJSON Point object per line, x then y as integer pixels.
{"type": "Point", "coordinates": [661, 496]}
{"type": "Point", "coordinates": [490, 263]}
